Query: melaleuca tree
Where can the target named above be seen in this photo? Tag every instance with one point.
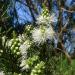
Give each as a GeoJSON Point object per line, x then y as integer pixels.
{"type": "Point", "coordinates": [28, 49]}
{"type": "Point", "coordinates": [39, 50]}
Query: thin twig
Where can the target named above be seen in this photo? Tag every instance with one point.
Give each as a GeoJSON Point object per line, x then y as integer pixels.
{"type": "Point", "coordinates": [66, 54]}
{"type": "Point", "coordinates": [70, 11]}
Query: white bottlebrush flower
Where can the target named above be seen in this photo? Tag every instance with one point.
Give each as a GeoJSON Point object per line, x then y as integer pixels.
{"type": "Point", "coordinates": [3, 40]}
{"type": "Point", "coordinates": [23, 62]}
{"type": "Point", "coordinates": [24, 65]}
{"type": "Point", "coordinates": [37, 36]}
{"type": "Point", "coordinates": [23, 48]}
{"type": "Point", "coordinates": [10, 42]}
{"type": "Point", "coordinates": [41, 35]}
{"type": "Point", "coordinates": [21, 37]}
{"type": "Point", "coordinates": [41, 19]}
{"type": "Point", "coordinates": [46, 19]}
{"type": "Point", "coordinates": [2, 73]}
{"type": "Point", "coordinates": [49, 33]}
{"type": "Point", "coordinates": [52, 18]}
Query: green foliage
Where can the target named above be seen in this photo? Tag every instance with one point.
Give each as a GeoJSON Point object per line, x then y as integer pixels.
{"type": "Point", "coordinates": [24, 54]}
{"type": "Point", "coordinates": [31, 61]}
{"type": "Point", "coordinates": [64, 68]}
{"type": "Point", "coordinates": [38, 69]}
{"type": "Point", "coordinates": [15, 46]}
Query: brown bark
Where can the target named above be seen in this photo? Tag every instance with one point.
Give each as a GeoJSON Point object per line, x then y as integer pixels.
{"type": "Point", "coordinates": [60, 43]}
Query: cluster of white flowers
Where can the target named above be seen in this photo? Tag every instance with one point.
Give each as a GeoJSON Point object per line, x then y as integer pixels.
{"type": "Point", "coordinates": [21, 37]}
{"type": "Point", "coordinates": [23, 48]}
{"type": "Point", "coordinates": [2, 73]}
{"type": "Point", "coordinates": [46, 19]}
{"type": "Point", "coordinates": [10, 42]}
{"type": "Point", "coordinates": [53, 18]}
{"type": "Point", "coordinates": [41, 35]}
{"type": "Point", "coordinates": [3, 40]}
{"type": "Point", "coordinates": [41, 19]}
{"type": "Point", "coordinates": [24, 65]}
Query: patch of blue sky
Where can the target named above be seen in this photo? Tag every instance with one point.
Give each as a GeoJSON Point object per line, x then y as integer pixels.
{"type": "Point", "coordinates": [39, 9]}
{"type": "Point", "coordinates": [55, 10]}
{"type": "Point", "coordinates": [23, 1]}
{"type": "Point", "coordinates": [14, 21]}
{"type": "Point", "coordinates": [38, 6]}
{"type": "Point", "coordinates": [74, 16]}
{"type": "Point", "coordinates": [65, 17]}
{"type": "Point", "coordinates": [23, 13]}
{"type": "Point", "coordinates": [68, 46]}
{"type": "Point", "coordinates": [68, 3]}
{"type": "Point", "coordinates": [72, 2]}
